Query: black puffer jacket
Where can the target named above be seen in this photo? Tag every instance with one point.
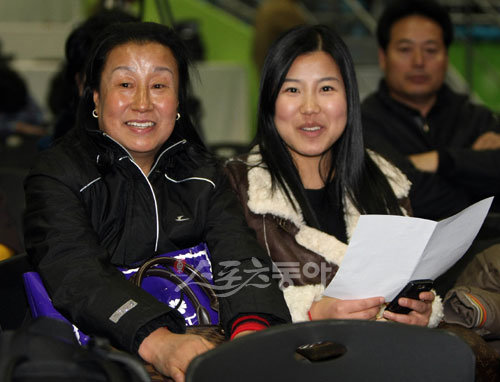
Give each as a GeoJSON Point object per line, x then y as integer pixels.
{"type": "Point", "coordinates": [90, 209]}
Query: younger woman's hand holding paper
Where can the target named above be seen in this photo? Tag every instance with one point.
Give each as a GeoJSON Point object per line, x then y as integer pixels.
{"type": "Point", "coordinates": [360, 309]}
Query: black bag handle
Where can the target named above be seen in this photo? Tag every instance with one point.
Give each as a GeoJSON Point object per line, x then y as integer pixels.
{"type": "Point", "coordinates": [149, 268]}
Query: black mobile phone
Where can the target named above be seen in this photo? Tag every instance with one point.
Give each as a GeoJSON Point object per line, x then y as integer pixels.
{"type": "Point", "coordinates": [411, 290]}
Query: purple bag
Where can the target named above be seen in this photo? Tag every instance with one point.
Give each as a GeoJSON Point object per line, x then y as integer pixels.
{"type": "Point", "coordinates": [181, 279]}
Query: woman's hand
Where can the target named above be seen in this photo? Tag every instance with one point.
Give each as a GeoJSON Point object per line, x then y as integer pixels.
{"type": "Point", "coordinates": [362, 309]}
{"type": "Point", "coordinates": [171, 353]}
{"type": "Point", "coordinates": [421, 310]}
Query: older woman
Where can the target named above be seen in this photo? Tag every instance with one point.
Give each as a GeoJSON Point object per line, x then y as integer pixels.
{"type": "Point", "coordinates": [309, 177]}
{"type": "Point", "coordinates": [131, 181]}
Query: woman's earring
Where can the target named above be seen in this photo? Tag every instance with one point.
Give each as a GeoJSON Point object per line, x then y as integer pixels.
{"type": "Point", "coordinates": [178, 116]}
{"type": "Point", "coordinates": [94, 114]}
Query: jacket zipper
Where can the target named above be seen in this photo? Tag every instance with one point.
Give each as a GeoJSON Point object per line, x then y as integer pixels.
{"type": "Point", "coordinates": [147, 180]}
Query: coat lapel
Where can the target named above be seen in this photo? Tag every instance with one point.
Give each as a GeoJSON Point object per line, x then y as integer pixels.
{"type": "Point", "coordinates": [262, 200]}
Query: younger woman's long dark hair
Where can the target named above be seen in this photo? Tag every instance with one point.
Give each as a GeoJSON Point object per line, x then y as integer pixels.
{"type": "Point", "coordinates": [355, 174]}
{"type": "Point", "coordinates": [138, 32]}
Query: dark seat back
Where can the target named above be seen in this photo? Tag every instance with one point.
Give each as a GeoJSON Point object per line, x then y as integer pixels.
{"type": "Point", "coordinates": [354, 351]}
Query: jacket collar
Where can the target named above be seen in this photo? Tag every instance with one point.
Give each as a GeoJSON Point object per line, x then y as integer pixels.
{"type": "Point", "coordinates": [111, 150]}
{"type": "Point", "coordinates": [444, 95]}
{"type": "Point", "coordinates": [262, 200]}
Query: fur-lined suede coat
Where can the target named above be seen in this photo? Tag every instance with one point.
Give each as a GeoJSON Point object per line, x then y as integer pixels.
{"type": "Point", "coordinates": [307, 258]}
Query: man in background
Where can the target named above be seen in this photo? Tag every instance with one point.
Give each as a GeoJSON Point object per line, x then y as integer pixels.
{"type": "Point", "coordinates": [448, 146]}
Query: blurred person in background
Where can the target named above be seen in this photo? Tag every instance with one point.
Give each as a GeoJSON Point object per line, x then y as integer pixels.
{"type": "Point", "coordinates": [273, 18]}
{"type": "Point", "coordinates": [10, 242]}
{"type": "Point", "coordinates": [19, 112]}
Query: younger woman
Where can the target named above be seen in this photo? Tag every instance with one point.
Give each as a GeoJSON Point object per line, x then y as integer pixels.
{"type": "Point", "coordinates": [309, 177]}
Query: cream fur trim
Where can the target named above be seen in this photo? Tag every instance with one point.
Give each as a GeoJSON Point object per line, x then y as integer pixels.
{"type": "Point", "coordinates": [300, 298]}
{"type": "Point", "coordinates": [351, 216]}
{"type": "Point", "coordinates": [437, 312]}
{"type": "Point", "coordinates": [261, 199]}
{"type": "Point", "coordinates": [397, 180]}
{"type": "Point", "coordinates": [328, 246]}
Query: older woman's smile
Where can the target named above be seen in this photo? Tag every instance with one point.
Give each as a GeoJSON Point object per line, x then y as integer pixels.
{"type": "Point", "coordinates": [140, 125]}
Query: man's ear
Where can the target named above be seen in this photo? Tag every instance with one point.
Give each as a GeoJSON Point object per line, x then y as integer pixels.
{"type": "Point", "coordinates": [381, 59]}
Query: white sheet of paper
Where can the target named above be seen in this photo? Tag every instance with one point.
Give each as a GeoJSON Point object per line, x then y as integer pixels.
{"type": "Point", "coordinates": [386, 251]}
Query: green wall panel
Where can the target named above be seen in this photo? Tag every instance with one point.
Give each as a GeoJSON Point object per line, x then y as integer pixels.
{"type": "Point", "coordinates": [485, 69]}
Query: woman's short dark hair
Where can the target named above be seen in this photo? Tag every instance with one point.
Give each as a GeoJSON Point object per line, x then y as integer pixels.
{"type": "Point", "coordinates": [353, 169]}
{"type": "Point", "coordinates": [400, 9]}
{"type": "Point", "coordinates": [141, 33]}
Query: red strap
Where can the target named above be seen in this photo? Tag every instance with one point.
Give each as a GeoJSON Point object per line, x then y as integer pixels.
{"type": "Point", "coordinates": [251, 325]}
{"type": "Point", "coordinates": [309, 314]}
{"type": "Point", "coordinates": [237, 322]}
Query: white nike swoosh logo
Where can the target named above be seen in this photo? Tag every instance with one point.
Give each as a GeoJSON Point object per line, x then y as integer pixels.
{"type": "Point", "coordinates": [181, 218]}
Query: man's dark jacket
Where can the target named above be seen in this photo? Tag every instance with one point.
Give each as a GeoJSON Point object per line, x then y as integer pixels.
{"type": "Point", "coordinates": [451, 127]}
{"type": "Point", "coordinates": [90, 209]}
